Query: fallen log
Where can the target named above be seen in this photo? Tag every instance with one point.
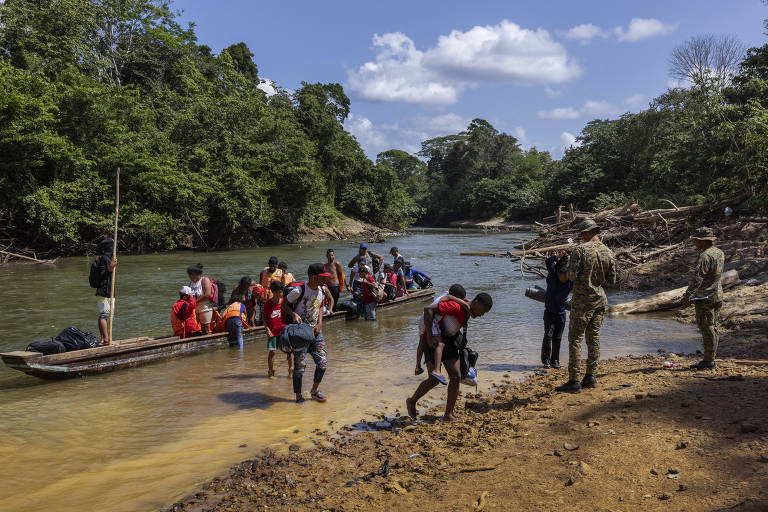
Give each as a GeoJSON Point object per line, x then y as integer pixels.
{"type": "Point", "coordinates": [517, 253]}
{"type": "Point", "coordinates": [21, 256]}
{"type": "Point", "coordinates": [665, 300]}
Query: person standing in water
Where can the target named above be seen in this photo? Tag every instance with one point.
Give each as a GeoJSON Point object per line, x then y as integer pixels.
{"type": "Point", "coordinates": [101, 279]}
{"type": "Point", "coordinates": [706, 284]}
{"type": "Point", "coordinates": [304, 303]}
{"type": "Point", "coordinates": [336, 279]}
{"type": "Point", "coordinates": [201, 291]}
{"type": "Point", "coordinates": [451, 334]}
{"type": "Point", "coordinates": [364, 257]}
{"type": "Point", "coordinates": [558, 289]}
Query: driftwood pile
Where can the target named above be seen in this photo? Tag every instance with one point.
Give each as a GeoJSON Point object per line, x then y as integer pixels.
{"type": "Point", "coordinates": [637, 236]}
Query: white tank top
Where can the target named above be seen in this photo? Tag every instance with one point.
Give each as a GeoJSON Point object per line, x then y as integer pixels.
{"type": "Point", "coordinates": [197, 288]}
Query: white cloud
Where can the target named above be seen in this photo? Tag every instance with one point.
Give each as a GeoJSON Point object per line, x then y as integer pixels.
{"type": "Point", "coordinates": [553, 93]}
{"type": "Point", "coordinates": [568, 139]}
{"type": "Point", "coordinates": [502, 53]}
{"type": "Point", "coordinates": [365, 133]}
{"type": "Point", "coordinates": [590, 108]}
{"type": "Point", "coordinates": [520, 135]}
{"type": "Point", "coordinates": [559, 113]}
{"type": "Point", "coordinates": [585, 32]}
{"type": "Point", "coordinates": [636, 100]}
{"type": "Point", "coordinates": [268, 86]}
{"type": "Point", "coordinates": [643, 28]}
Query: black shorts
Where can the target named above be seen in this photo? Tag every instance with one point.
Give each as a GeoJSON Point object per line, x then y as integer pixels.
{"type": "Point", "coordinates": [450, 351]}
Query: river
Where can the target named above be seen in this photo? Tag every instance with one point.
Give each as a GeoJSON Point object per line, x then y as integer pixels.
{"type": "Point", "coordinates": [139, 438]}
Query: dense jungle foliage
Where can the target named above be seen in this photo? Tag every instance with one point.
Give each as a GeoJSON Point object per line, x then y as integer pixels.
{"type": "Point", "coordinates": [206, 158]}
{"type": "Point", "coordinates": [209, 160]}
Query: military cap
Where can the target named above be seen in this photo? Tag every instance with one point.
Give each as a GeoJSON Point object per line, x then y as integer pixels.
{"type": "Point", "coordinates": [704, 234]}
{"type": "Point", "coordinates": [587, 225]}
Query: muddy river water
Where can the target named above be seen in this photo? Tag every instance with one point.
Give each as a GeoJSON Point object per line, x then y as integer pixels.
{"type": "Point", "coordinates": [139, 438]}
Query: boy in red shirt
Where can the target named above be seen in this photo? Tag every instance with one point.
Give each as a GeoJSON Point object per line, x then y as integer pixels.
{"type": "Point", "coordinates": [273, 325]}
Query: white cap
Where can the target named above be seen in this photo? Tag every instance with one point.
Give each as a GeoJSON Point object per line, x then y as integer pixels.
{"type": "Point", "coordinates": [185, 290]}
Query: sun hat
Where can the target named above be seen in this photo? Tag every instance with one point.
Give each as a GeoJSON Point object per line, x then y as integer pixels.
{"type": "Point", "coordinates": [587, 226]}
{"type": "Point", "coordinates": [704, 234]}
{"type": "Point", "coordinates": [185, 290]}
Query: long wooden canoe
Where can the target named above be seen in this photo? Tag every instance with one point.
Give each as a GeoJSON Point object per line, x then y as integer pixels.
{"type": "Point", "coordinates": [137, 351]}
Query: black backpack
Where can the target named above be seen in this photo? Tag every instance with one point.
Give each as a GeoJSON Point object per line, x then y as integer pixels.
{"type": "Point", "coordinates": [222, 293]}
{"type": "Point", "coordinates": [94, 278]}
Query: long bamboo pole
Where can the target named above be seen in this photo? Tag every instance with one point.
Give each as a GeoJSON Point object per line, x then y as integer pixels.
{"type": "Point", "coordinates": [114, 256]}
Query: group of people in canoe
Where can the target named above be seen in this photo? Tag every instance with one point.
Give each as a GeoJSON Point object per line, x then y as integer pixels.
{"type": "Point", "coordinates": [275, 300]}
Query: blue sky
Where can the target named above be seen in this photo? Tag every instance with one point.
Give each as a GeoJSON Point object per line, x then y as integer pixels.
{"type": "Point", "coordinates": [419, 69]}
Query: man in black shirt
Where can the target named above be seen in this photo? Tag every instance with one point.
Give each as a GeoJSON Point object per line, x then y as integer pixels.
{"type": "Point", "coordinates": [101, 279]}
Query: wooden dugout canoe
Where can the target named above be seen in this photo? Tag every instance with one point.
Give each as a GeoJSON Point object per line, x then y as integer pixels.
{"type": "Point", "coordinates": [137, 351]}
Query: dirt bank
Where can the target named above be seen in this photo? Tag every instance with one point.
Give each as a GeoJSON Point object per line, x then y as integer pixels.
{"type": "Point", "coordinates": [345, 228]}
{"type": "Point", "coordinates": [647, 439]}
{"type": "Point", "coordinates": [494, 225]}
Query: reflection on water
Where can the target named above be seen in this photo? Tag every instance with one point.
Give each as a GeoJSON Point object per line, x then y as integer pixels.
{"type": "Point", "coordinates": [139, 438]}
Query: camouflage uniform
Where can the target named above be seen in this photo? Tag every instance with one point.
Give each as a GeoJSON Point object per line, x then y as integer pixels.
{"type": "Point", "coordinates": [591, 265]}
{"type": "Point", "coordinates": [706, 282]}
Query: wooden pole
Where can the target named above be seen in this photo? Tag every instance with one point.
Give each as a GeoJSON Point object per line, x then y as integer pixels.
{"type": "Point", "coordinates": [114, 256]}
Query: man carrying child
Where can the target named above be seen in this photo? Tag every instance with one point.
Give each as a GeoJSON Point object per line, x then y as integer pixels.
{"type": "Point", "coordinates": [452, 317]}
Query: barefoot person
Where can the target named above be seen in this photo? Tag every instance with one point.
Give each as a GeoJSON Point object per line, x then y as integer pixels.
{"type": "Point", "coordinates": [202, 291]}
{"type": "Point", "coordinates": [454, 318]}
{"type": "Point", "coordinates": [455, 293]}
{"type": "Point", "coordinates": [101, 279]}
{"type": "Point", "coordinates": [591, 266]}
{"type": "Point", "coordinates": [304, 303]}
{"type": "Point", "coordinates": [706, 286]}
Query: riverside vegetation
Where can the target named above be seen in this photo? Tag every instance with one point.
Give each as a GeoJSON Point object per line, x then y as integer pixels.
{"type": "Point", "coordinates": [209, 160]}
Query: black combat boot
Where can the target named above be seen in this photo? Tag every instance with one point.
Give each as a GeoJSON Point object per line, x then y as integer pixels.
{"type": "Point", "coordinates": [588, 382]}
{"type": "Point", "coordinates": [572, 386]}
{"type": "Point", "coordinates": [703, 365]}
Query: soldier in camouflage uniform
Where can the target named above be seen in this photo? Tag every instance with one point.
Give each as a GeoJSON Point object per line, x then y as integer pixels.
{"type": "Point", "coordinates": [706, 287]}
{"type": "Point", "coordinates": [591, 266]}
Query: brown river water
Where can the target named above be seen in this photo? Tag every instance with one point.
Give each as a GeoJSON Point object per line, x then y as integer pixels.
{"type": "Point", "coordinates": [139, 438]}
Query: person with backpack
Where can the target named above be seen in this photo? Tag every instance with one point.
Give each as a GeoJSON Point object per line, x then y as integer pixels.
{"type": "Point", "coordinates": [203, 292]}
{"type": "Point", "coordinates": [287, 278]}
{"type": "Point", "coordinates": [100, 277]}
{"type": "Point", "coordinates": [453, 318]}
{"type": "Point", "coordinates": [274, 322]}
{"type": "Point", "coordinates": [183, 317]}
{"type": "Point", "coordinates": [304, 304]}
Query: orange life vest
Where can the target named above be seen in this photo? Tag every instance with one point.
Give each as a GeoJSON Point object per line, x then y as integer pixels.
{"type": "Point", "coordinates": [267, 278]}
{"type": "Point", "coordinates": [184, 329]}
{"type": "Point", "coordinates": [232, 311]}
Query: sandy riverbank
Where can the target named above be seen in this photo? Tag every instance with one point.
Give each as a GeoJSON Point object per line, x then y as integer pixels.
{"type": "Point", "coordinates": [648, 438]}
{"type": "Point", "coordinates": [495, 224]}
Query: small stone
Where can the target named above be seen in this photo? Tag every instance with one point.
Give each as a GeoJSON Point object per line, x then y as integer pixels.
{"type": "Point", "coordinates": [654, 472]}
{"type": "Point", "coordinates": [571, 446]}
{"type": "Point", "coordinates": [666, 496]}
{"type": "Point", "coordinates": [584, 468]}
{"type": "Point", "coordinates": [294, 447]}
{"type": "Point", "coordinates": [681, 445]}
{"type": "Point", "coordinates": [558, 453]}
{"type": "Point", "coordinates": [243, 446]}
{"type": "Point", "coordinates": [764, 457]}
{"type": "Point", "coordinates": [673, 473]}
{"type": "Point", "coordinates": [570, 482]}
{"type": "Point", "coordinates": [682, 487]}
{"type": "Point", "coordinates": [639, 396]}
{"type": "Point", "coordinates": [610, 431]}
{"type": "Point", "coordinates": [591, 424]}
{"type": "Point", "coordinates": [395, 487]}
{"type": "Point", "coordinates": [748, 428]}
